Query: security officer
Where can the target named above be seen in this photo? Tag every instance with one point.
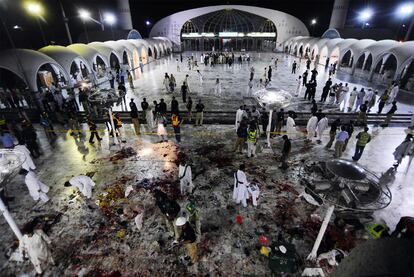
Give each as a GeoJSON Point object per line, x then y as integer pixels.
{"type": "Point", "coordinates": [176, 122]}
{"type": "Point", "coordinates": [251, 141]}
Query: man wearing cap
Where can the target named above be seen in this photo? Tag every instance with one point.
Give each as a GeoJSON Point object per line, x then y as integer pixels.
{"type": "Point", "coordinates": [188, 238]}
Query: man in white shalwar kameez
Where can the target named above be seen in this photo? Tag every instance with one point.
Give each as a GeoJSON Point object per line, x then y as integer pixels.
{"type": "Point", "coordinates": [311, 127]}
{"type": "Point", "coordinates": [37, 189]}
{"type": "Point", "coordinates": [83, 183]}
{"type": "Point", "coordinates": [185, 175]}
{"type": "Point", "coordinates": [394, 92]}
{"type": "Point", "coordinates": [239, 116]}
{"type": "Point", "coordinates": [240, 193]}
{"type": "Point", "coordinates": [250, 89]}
{"type": "Point", "coordinates": [323, 124]}
{"type": "Point", "coordinates": [290, 126]}
{"type": "Point", "coordinates": [368, 95]}
{"type": "Point", "coordinates": [217, 89]}
{"type": "Point", "coordinates": [28, 163]}
{"type": "Point", "coordinates": [149, 116]}
{"type": "Point", "coordinates": [36, 246]}
{"type": "Point", "coordinates": [200, 78]}
{"type": "Point", "coordinates": [298, 86]}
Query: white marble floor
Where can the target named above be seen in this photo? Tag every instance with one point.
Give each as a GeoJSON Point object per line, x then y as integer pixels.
{"type": "Point", "coordinates": [234, 81]}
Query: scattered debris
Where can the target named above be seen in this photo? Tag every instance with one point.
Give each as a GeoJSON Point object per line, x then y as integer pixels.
{"type": "Point", "coordinates": [124, 153]}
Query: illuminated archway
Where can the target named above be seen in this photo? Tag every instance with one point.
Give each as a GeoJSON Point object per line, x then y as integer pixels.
{"type": "Point", "coordinates": [323, 55]}
{"type": "Point", "coordinates": [347, 59]}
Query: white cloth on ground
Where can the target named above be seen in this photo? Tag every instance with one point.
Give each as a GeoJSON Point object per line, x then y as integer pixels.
{"type": "Point", "coordinates": [128, 190]}
{"type": "Point", "coordinates": [309, 198]}
{"type": "Point", "coordinates": [37, 189]}
{"type": "Point", "coordinates": [84, 184]}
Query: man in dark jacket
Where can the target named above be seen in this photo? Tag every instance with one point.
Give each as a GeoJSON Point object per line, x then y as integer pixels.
{"type": "Point", "coordinates": [280, 121]}
{"type": "Point", "coordinates": [162, 107]}
{"type": "Point", "coordinates": [264, 118]}
{"type": "Point", "coordinates": [184, 90]}
{"type": "Point", "coordinates": [241, 136]}
{"type": "Point", "coordinates": [287, 146]}
{"type": "Point", "coordinates": [144, 105]}
{"type": "Point", "coordinates": [93, 130]}
{"type": "Point", "coordinates": [30, 138]}
{"type": "Point", "coordinates": [362, 116]}
{"type": "Point", "coordinates": [269, 73]}
{"type": "Point", "coordinates": [390, 113]}
{"type": "Point", "coordinates": [332, 132]}
{"type": "Point", "coordinates": [325, 90]}
{"type": "Point", "coordinates": [134, 117]}
{"type": "Point", "coordinates": [174, 106]}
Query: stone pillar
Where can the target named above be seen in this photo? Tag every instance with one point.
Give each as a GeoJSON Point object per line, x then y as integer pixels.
{"type": "Point", "coordinates": [364, 63]}
{"type": "Point", "coordinates": [339, 13]}
{"type": "Point", "coordinates": [124, 15]}
{"type": "Point", "coordinates": [351, 59]}
{"type": "Point", "coordinates": [382, 68]}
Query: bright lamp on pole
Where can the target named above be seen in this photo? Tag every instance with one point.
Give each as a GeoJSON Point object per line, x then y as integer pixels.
{"type": "Point", "coordinates": [365, 15]}
{"type": "Point", "coordinates": [406, 9]}
{"type": "Point", "coordinates": [313, 22]}
{"type": "Point", "coordinates": [109, 18]}
{"type": "Point", "coordinates": [84, 14]}
{"type": "Point", "coordinates": [34, 8]}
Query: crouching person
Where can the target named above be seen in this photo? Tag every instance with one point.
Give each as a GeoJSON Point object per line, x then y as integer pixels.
{"type": "Point", "coordinates": [254, 193]}
{"type": "Point", "coordinates": [35, 244]}
{"type": "Point", "coordinates": [187, 237]}
{"type": "Point", "coordinates": [170, 210]}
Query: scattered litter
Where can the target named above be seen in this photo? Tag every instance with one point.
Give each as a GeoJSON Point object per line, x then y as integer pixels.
{"type": "Point", "coordinates": [309, 199]}
{"type": "Point", "coordinates": [313, 272]}
{"type": "Point", "coordinates": [128, 190]}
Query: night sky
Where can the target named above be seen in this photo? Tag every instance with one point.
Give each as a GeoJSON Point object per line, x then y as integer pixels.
{"type": "Point", "coordinates": [29, 36]}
